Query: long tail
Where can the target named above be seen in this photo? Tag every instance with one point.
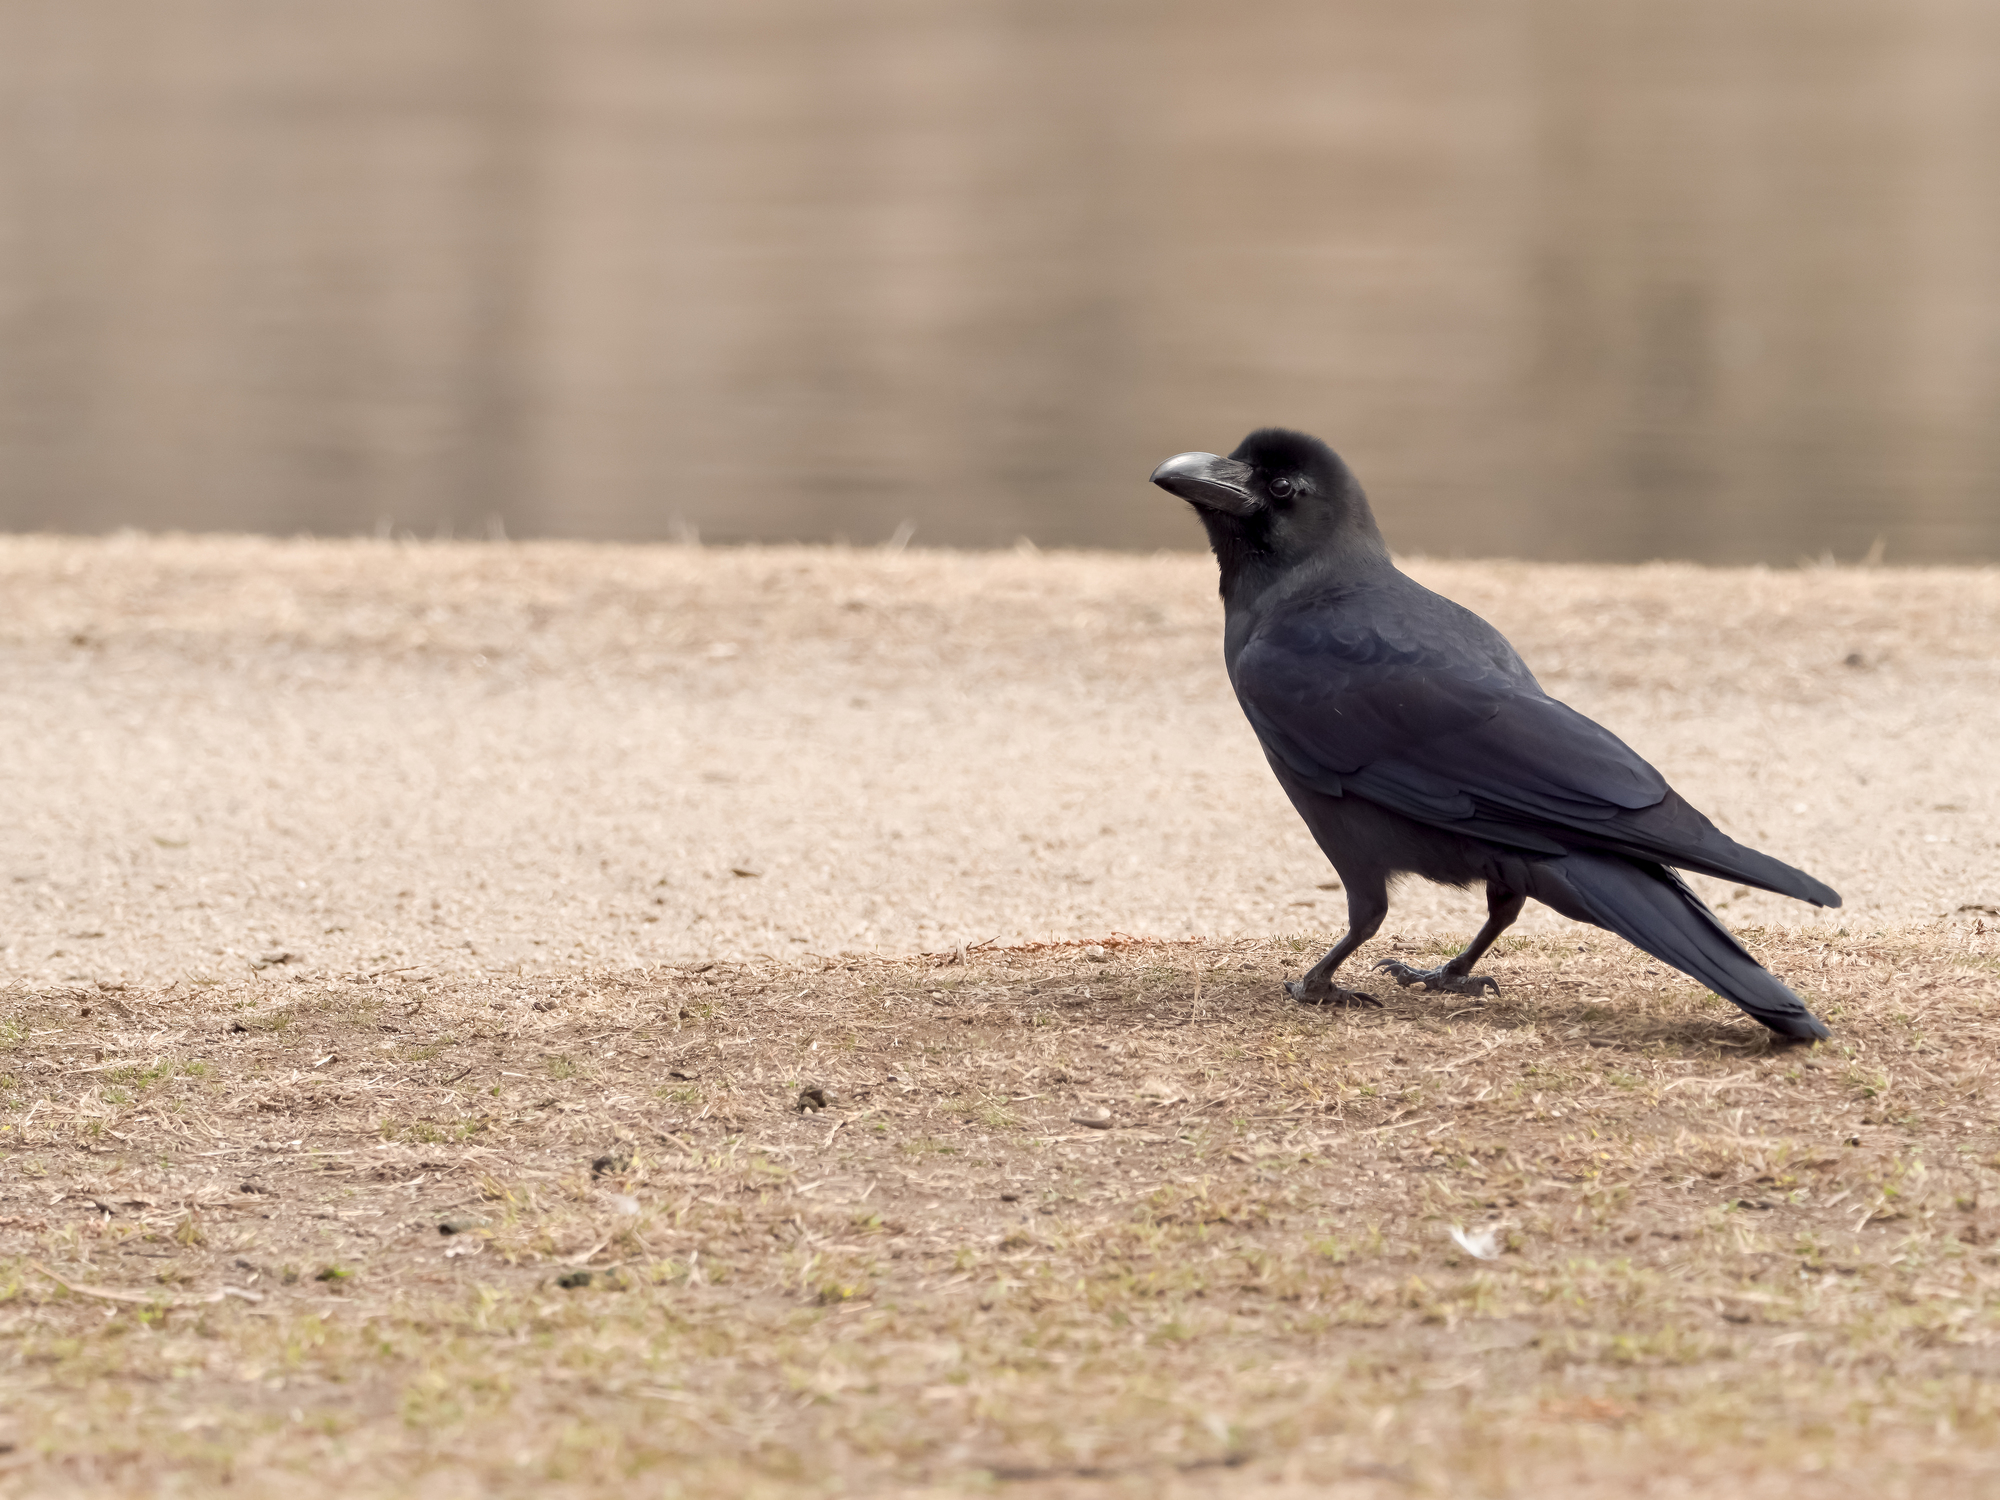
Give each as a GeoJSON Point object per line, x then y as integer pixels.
{"type": "Point", "coordinates": [1652, 908]}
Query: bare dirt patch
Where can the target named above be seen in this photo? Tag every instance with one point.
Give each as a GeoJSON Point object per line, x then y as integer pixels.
{"type": "Point", "coordinates": [1037, 1222]}
{"type": "Point", "coordinates": [554, 758]}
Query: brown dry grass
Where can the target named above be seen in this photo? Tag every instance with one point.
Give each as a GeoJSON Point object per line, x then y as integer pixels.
{"type": "Point", "coordinates": [1724, 1269]}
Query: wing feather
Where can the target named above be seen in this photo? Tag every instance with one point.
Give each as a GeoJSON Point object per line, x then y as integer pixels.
{"type": "Point", "coordinates": [1462, 737]}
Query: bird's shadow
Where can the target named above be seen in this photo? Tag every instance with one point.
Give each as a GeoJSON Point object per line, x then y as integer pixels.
{"type": "Point", "coordinates": [1585, 1024]}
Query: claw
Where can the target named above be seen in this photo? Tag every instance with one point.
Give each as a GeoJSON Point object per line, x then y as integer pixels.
{"type": "Point", "coordinates": [1333, 994]}
{"type": "Point", "coordinates": [1439, 978]}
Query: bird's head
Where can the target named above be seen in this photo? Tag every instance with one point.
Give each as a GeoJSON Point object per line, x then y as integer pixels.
{"type": "Point", "coordinates": [1281, 504]}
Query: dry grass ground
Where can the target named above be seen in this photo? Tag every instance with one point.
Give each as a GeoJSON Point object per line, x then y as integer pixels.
{"type": "Point", "coordinates": [326, 931]}
{"type": "Point", "coordinates": [1718, 1268]}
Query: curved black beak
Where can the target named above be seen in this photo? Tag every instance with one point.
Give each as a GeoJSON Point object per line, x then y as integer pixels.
{"type": "Point", "coordinates": [1204, 479]}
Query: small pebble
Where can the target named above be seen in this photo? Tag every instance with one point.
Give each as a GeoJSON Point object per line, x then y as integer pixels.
{"type": "Point", "coordinates": [1097, 1118]}
{"type": "Point", "coordinates": [1096, 954]}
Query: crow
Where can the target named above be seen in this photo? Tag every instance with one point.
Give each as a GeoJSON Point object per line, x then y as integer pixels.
{"type": "Point", "coordinates": [1413, 740]}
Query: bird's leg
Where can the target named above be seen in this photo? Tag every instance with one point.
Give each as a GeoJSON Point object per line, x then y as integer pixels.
{"type": "Point", "coordinates": [1502, 907]}
{"type": "Point", "coordinates": [1366, 907]}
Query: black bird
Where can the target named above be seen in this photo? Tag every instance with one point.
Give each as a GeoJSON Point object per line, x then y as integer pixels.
{"type": "Point", "coordinates": [1413, 740]}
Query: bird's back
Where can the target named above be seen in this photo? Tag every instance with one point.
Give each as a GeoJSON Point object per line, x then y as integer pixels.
{"type": "Point", "coordinates": [1386, 615]}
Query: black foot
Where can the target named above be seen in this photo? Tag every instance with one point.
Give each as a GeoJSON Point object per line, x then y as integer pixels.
{"type": "Point", "coordinates": [1328, 994]}
{"type": "Point", "coordinates": [1438, 979]}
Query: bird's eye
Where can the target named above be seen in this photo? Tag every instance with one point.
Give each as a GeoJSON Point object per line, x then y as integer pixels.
{"type": "Point", "coordinates": [1280, 488]}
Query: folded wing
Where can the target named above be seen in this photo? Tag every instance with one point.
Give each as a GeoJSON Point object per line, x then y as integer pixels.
{"type": "Point", "coordinates": [1466, 741]}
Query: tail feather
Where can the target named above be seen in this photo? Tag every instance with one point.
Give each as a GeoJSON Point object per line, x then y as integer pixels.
{"type": "Point", "coordinates": [1653, 909]}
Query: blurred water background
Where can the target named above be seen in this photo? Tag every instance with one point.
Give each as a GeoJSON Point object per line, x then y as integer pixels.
{"type": "Point", "coordinates": [1590, 279]}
